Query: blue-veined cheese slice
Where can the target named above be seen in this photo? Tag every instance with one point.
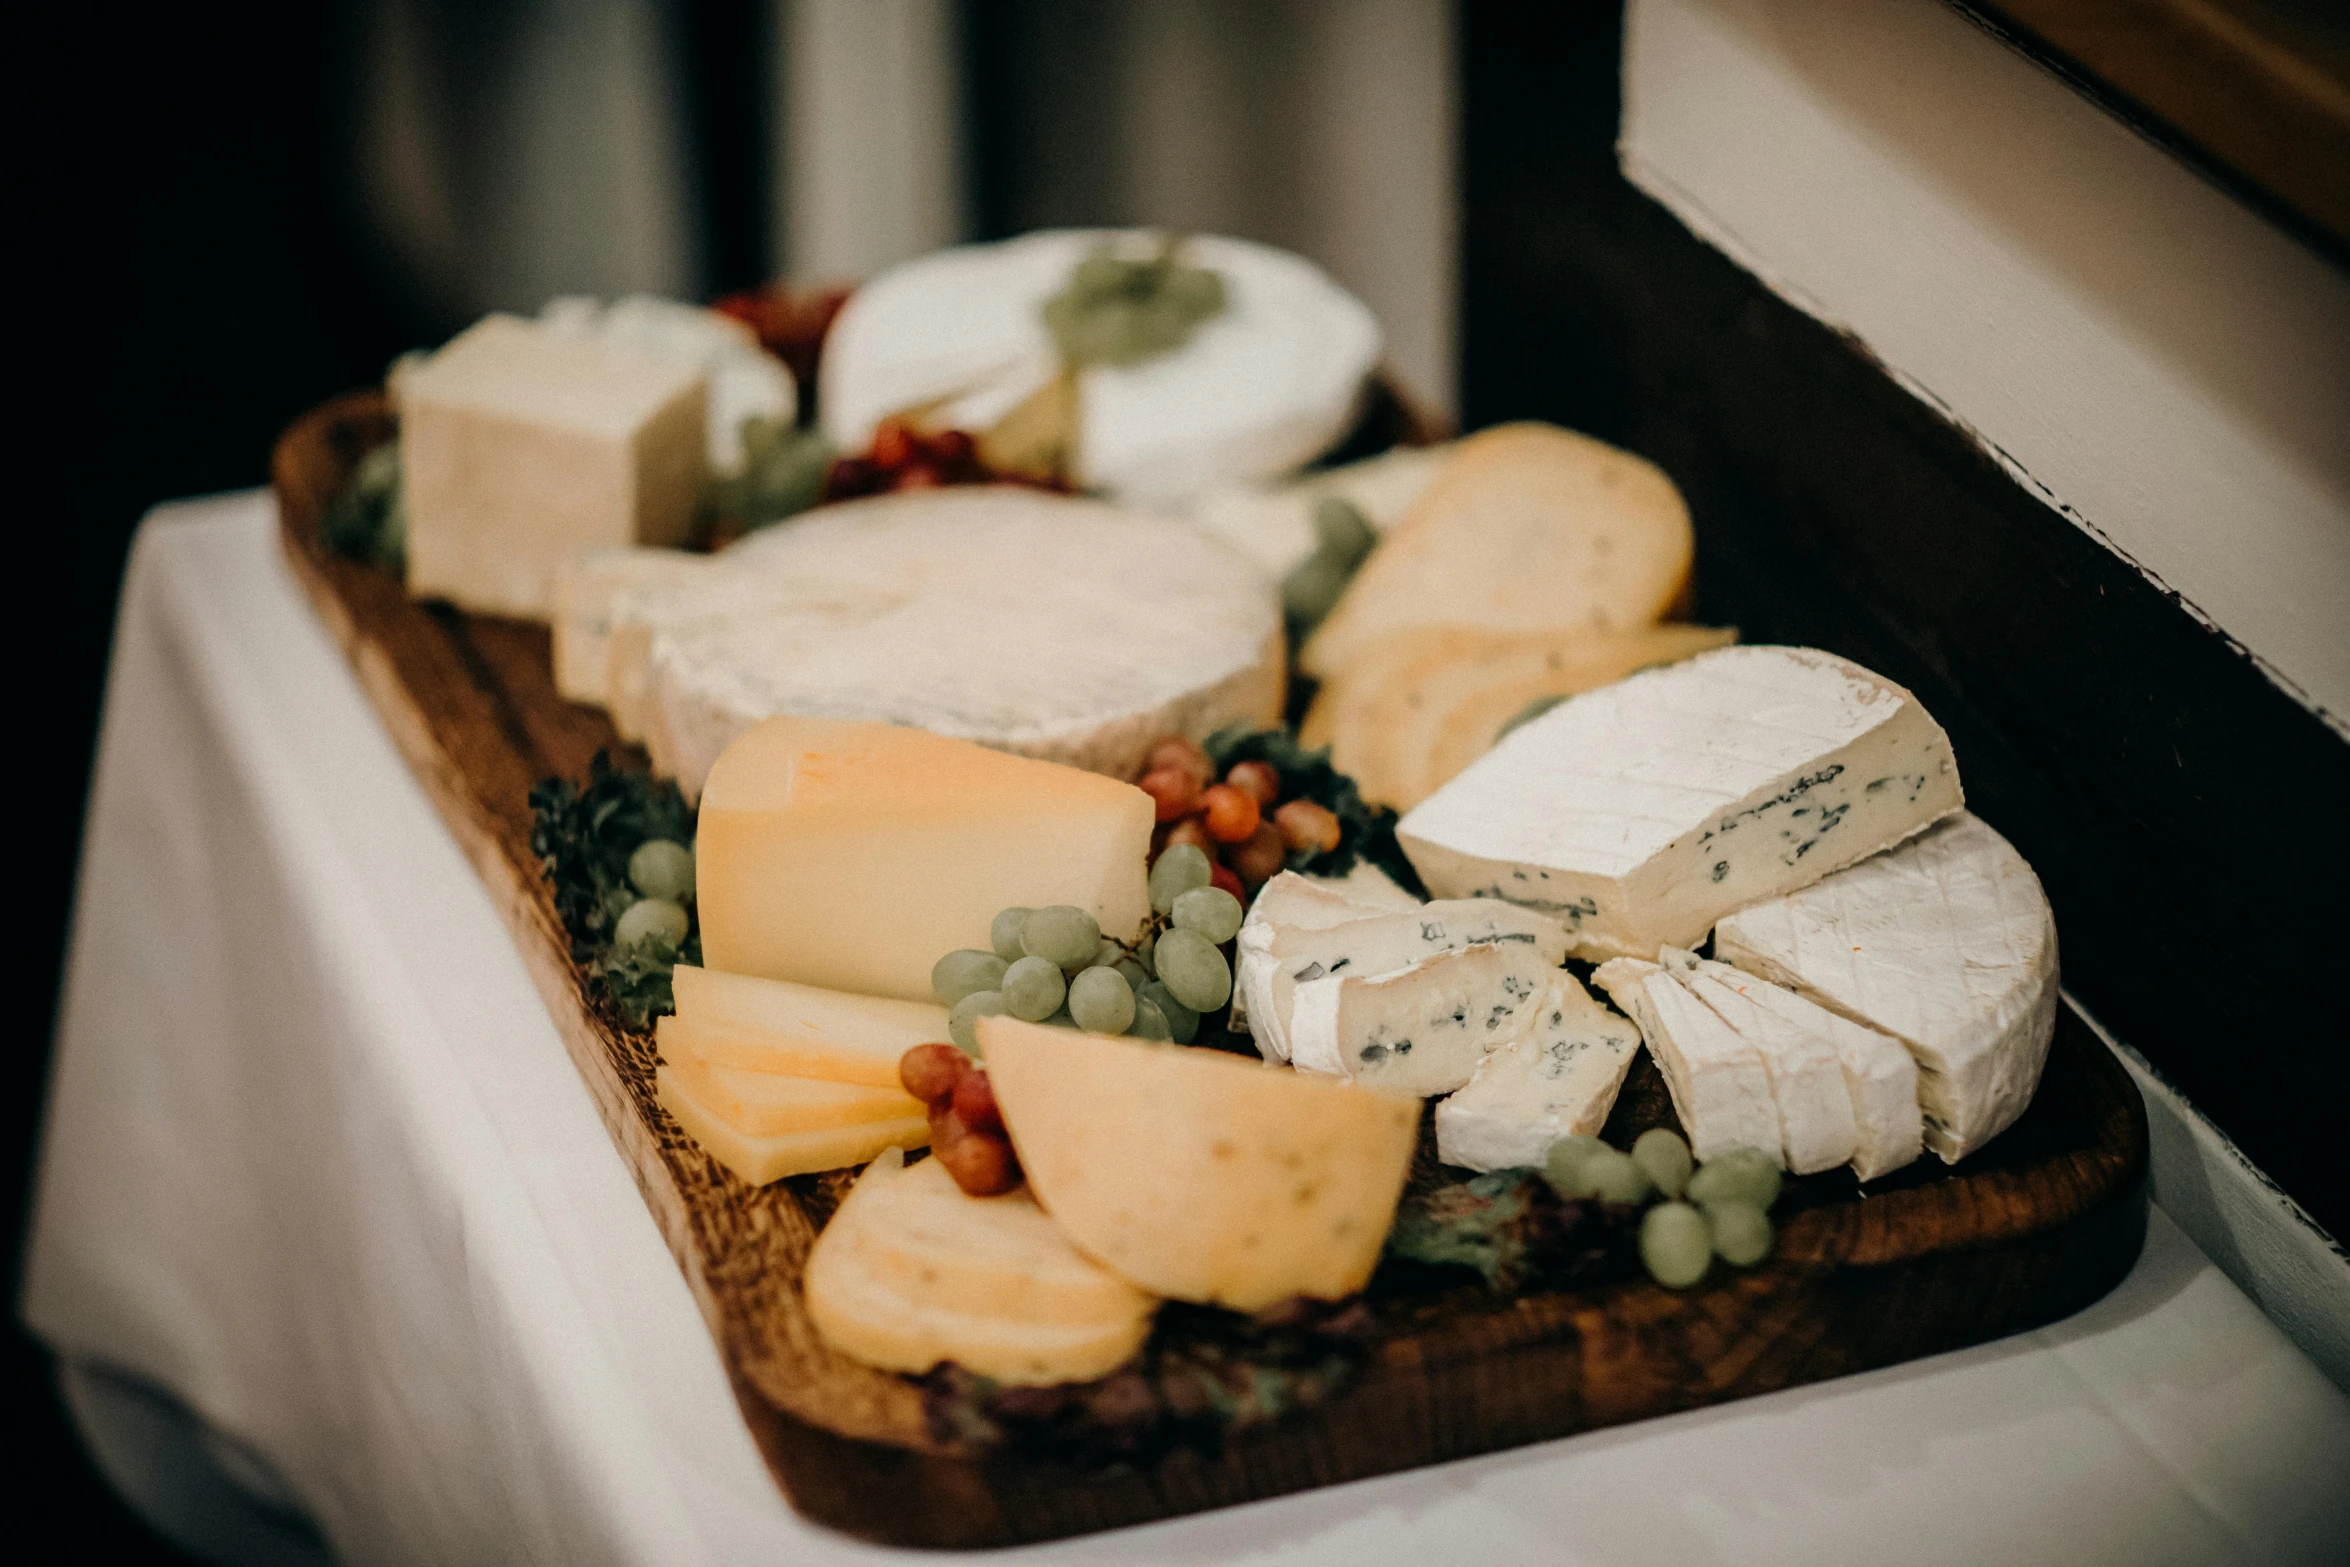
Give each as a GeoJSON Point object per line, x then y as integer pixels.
{"type": "Point", "coordinates": [1558, 1079]}
{"type": "Point", "coordinates": [1423, 1029]}
{"type": "Point", "coordinates": [1291, 900]}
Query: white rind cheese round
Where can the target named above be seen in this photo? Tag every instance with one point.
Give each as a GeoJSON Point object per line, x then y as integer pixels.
{"type": "Point", "coordinates": [1045, 626]}
{"type": "Point", "coordinates": [1946, 943]}
{"type": "Point", "coordinates": [1259, 389]}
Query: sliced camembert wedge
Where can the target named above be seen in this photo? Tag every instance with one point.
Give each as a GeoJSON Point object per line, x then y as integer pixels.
{"type": "Point", "coordinates": [1277, 959]}
{"type": "Point", "coordinates": [1816, 1129]}
{"type": "Point", "coordinates": [1291, 901]}
{"type": "Point", "coordinates": [1424, 1029]}
{"type": "Point", "coordinates": [1879, 1076]}
{"type": "Point", "coordinates": [1720, 1088]}
{"type": "Point", "coordinates": [1947, 944]}
{"type": "Point", "coordinates": [1558, 1079]}
{"type": "Point", "coordinates": [1642, 812]}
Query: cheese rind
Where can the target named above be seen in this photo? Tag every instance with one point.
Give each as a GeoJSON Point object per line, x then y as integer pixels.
{"type": "Point", "coordinates": [1717, 1081]}
{"type": "Point", "coordinates": [1947, 944]}
{"type": "Point", "coordinates": [1642, 812]}
{"type": "Point", "coordinates": [1278, 959]}
{"type": "Point", "coordinates": [773, 1025]}
{"type": "Point", "coordinates": [1559, 1078]}
{"type": "Point", "coordinates": [1423, 1029]}
{"type": "Point", "coordinates": [1201, 1175]}
{"type": "Point", "coordinates": [852, 856]}
{"type": "Point", "coordinates": [589, 588]}
{"type": "Point", "coordinates": [759, 1160]}
{"type": "Point", "coordinates": [1291, 900]}
{"type": "Point", "coordinates": [1879, 1076]}
{"type": "Point", "coordinates": [1816, 1130]}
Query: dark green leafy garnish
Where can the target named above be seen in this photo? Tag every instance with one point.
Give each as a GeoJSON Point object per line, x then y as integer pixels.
{"type": "Point", "coordinates": [583, 836]}
{"type": "Point", "coordinates": [368, 521]}
{"type": "Point", "coordinates": [1511, 1229]}
{"type": "Point", "coordinates": [1365, 831]}
{"type": "Point", "coordinates": [783, 475]}
{"type": "Point", "coordinates": [1119, 310]}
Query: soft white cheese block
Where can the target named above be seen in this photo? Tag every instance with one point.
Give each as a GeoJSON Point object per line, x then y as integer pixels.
{"type": "Point", "coordinates": [1043, 625]}
{"type": "Point", "coordinates": [521, 447]}
{"type": "Point", "coordinates": [1422, 1029]}
{"type": "Point", "coordinates": [1643, 811]}
{"type": "Point", "coordinates": [1275, 527]}
{"type": "Point", "coordinates": [1947, 944]}
{"type": "Point", "coordinates": [1291, 900]}
{"type": "Point", "coordinates": [1279, 959]}
{"type": "Point", "coordinates": [1558, 1079]}
{"type": "Point", "coordinates": [1720, 1088]}
{"type": "Point", "coordinates": [589, 590]}
{"type": "Point", "coordinates": [746, 381]}
{"type": "Point", "coordinates": [1879, 1077]}
{"type": "Point", "coordinates": [1256, 392]}
{"type": "Point", "coordinates": [1816, 1130]}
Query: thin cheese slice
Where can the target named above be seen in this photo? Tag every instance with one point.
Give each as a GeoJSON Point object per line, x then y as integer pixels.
{"type": "Point", "coordinates": [1816, 1130]}
{"type": "Point", "coordinates": [769, 1104]}
{"type": "Point", "coordinates": [1719, 1086]}
{"type": "Point", "coordinates": [1423, 1029]}
{"type": "Point", "coordinates": [759, 1160]}
{"type": "Point", "coordinates": [1561, 1078]}
{"type": "Point", "coordinates": [773, 1025]}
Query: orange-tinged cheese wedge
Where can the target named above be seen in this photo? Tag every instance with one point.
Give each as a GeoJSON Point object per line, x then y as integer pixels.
{"type": "Point", "coordinates": [759, 1160]}
{"type": "Point", "coordinates": [854, 856]}
{"type": "Point", "coordinates": [770, 1104]}
{"type": "Point", "coordinates": [772, 1025]}
{"type": "Point", "coordinates": [1201, 1175]}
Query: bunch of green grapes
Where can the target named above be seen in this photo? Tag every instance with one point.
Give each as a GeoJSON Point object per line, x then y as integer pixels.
{"type": "Point", "coordinates": [1054, 965]}
{"type": "Point", "coordinates": [1720, 1208]}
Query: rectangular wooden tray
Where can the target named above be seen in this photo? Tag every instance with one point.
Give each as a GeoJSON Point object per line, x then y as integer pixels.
{"type": "Point", "coordinates": [2041, 1223]}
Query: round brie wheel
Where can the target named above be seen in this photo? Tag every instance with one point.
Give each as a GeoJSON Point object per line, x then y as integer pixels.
{"type": "Point", "coordinates": [1038, 624]}
{"type": "Point", "coordinates": [1259, 390]}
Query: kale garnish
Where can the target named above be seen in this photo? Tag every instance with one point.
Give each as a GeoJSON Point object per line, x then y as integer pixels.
{"type": "Point", "coordinates": [1512, 1229]}
{"type": "Point", "coordinates": [368, 521]}
{"type": "Point", "coordinates": [583, 836]}
{"type": "Point", "coordinates": [1365, 831]}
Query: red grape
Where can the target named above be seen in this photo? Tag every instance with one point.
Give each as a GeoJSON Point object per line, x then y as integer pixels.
{"type": "Point", "coordinates": [1174, 793]}
{"type": "Point", "coordinates": [930, 1072]}
{"type": "Point", "coordinates": [975, 1103]}
{"type": "Point", "coordinates": [1232, 814]}
{"type": "Point", "coordinates": [1307, 827]}
{"type": "Point", "coordinates": [1258, 779]}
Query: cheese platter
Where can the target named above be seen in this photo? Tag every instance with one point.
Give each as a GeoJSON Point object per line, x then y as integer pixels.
{"type": "Point", "coordinates": [1273, 1139]}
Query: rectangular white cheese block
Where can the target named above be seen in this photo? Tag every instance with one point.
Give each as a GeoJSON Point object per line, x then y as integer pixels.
{"type": "Point", "coordinates": [1278, 959]}
{"type": "Point", "coordinates": [1305, 903]}
{"type": "Point", "coordinates": [521, 446]}
{"type": "Point", "coordinates": [1879, 1077]}
{"type": "Point", "coordinates": [588, 588]}
{"type": "Point", "coordinates": [1642, 812]}
{"type": "Point", "coordinates": [1557, 1079]}
{"type": "Point", "coordinates": [1816, 1130]}
{"type": "Point", "coordinates": [854, 856]}
{"type": "Point", "coordinates": [1419, 1030]}
{"type": "Point", "coordinates": [1720, 1088]}
{"type": "Point", "coordinates": [1947, 944]}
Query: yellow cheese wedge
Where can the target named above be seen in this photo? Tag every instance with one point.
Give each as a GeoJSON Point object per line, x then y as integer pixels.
{"type": "Point", "coordinates": [853, 856]}
{"type": "Point", "coordinates": [769, 1104]}
{"type": "Point", "coordinates": [773, 1025]}
{"type": "Point", "coordinates": [1076, 1322]}
{"type": "Point", "coordinates": [759, 1160]}
{"type": "Point", "coordinates": [1201, 1175]}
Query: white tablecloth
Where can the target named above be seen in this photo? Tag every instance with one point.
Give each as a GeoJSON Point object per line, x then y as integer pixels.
{"type": "Point", "coordinates": [316, 1164]}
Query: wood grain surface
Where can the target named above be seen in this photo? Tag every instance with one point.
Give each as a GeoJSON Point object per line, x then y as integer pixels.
{"type": "Point", "coordinates": [2044, 1221]}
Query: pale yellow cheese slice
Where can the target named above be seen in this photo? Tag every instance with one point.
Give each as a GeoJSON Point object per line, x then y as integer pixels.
{"type": "Point", "coordinates": [759, 1160]}
{"type": "Point", "coordinates": [773, 1025]}
{"type": "Point", "coordinates": [1201, 1175]}
{"type": "Point", "coordinates": [769, 1104]}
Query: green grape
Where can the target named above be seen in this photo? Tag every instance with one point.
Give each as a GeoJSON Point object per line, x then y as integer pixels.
{"type": "Point", "coordinates": [650, 923]}
{"type": "Point", "coordinates": [1061, 1019]}
{"type": "Point", "coordinates": [1100, 1002]}
{"type": "Point", "coordinates": [1062, 936]}
{"type": "Point", "coordinates": [968, 1011]}
{"type": "Point", "coordinates": [1182, 1023]}
{"type": "Point", "coordinates": [1034, 989]}
{"type": "Point", "coordinates": [1180, 869]}
{"type": "Point", "coordinates": [1312, 588]}
{"type": "Point", "coordinates": [960, 973]}
{"type": "Point", "coordinates": [1135, 975]}
{"type": "Point", "coordinates": [1563, 1166]}
{"type": "Point", "coordinates": [663, 868]}
{"type": "Point", "coordinates": [1675, 1244]}
{"type": "Point", "coordinates": [1741, 1232]}
{"type": "Point", "coordinates": [1146, 953]}
{"type": "Point", "coordinates": [1107, 954]}
{"type": "Point", "coordinates": [1345, 534]}
{"type": "Point", "coordinates": [1149, 1021]}
{"type": "Point", "coordinates": [1209, 911]}
{"type": "Point", "coordinates": [1741, 1175]}
{"type": "Point", "coordinates": [1193, 971]}
{"type": "Point", "coordinates": [1664, 1157]}
{"type": "Point", "coordinates": [1610, 1176]}
{"type": "Point", "coordinates": [1004, 934]}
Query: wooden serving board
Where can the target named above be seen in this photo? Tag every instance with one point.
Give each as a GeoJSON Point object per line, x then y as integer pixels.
{"type": "Point", "coordinates": [2043, 1222]}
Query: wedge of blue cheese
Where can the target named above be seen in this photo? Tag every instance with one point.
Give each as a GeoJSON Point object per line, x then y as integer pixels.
{"type": "Point", "coordinates": [1816, 1130]}
{"type": "Point", "coordinates": [1291, 901]}
{"type": "Point", "coordinates": [1642, 812]}
{"type": "Point", "coordinates": [1559, 1078]}
{"type": "Point", "coordinates": [1948, 945]}
{"type": "Point", "coordinates": [1880, 1079]}
{"type": "Point", "coordinates": [1276, 959]}
{"type": "Point", "coordinates": [1423, 1029]}
{"type": "Point", "coordinates": [1720, 1088]}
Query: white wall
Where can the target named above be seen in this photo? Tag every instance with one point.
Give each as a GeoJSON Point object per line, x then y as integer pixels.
{"type": "Point", "coordinates": [2147, 355]}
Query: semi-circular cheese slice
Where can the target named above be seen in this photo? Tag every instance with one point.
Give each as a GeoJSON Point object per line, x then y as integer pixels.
{"type": "Point", "coordinates": [1257, 391]}
{"type": "Point", "coordinates": [1042, 625]}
